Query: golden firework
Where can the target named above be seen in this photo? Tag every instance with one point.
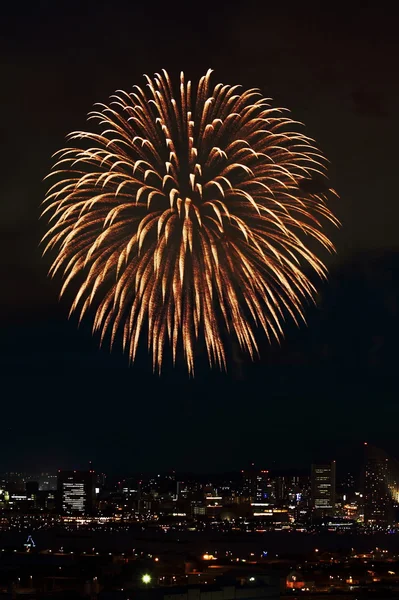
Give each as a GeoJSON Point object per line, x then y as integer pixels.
{"type": "Point", "coordinates": [186, 217]}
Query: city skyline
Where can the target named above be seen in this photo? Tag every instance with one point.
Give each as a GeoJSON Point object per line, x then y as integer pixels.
{"type": "Point", "coordinates": [331, 384]}
{"type": "Point", "coordinates": [254, 496]}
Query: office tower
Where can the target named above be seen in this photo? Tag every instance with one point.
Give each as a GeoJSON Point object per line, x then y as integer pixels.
{"type": "Point", "coordinates": [256, 484]}
{"type": "Point", "coordinates": [47, 482]}
{"type": "Point", "coordinates": [348, 488]}
{"type": "Point", "coordinates": [288, 488]}
{"type": "Point", "coordinates": [76, 492]}
{"type": "Point", "coordinates": [323, 489]}
{"type": "Point", "coordinates": [380, 494]}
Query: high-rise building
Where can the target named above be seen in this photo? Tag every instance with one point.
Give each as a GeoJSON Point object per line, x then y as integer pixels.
{"type": "Point", "coordinates": [380, 486]}
{"type": "Point", "coordinates": [348, 488]}
{"type": "Point", "coordinates": [47, 482]}
{"type": "Point", "coordinates": [76, 492]}
{"type": "Point", "coordinates": [256, 484]}
{"type": "Point", "coordinates": [323, 489]}
{"type": "Point", "coordinates": [290, 488]}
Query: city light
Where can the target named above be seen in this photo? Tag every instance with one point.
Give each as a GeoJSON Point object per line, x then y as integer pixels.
{"type": "Point", "coordinates": [146, 578]}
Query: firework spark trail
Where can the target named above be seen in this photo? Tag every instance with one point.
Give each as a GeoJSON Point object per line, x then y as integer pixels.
{"type": "Point", "coordinates": [185, 214]}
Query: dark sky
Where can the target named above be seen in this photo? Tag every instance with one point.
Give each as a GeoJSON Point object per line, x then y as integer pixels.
{"type": "Point", "coordinates": [333, 383]}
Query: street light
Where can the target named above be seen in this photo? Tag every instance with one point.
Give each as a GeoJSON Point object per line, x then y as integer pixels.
{"type": "Point", "coordinates": [146, 579]}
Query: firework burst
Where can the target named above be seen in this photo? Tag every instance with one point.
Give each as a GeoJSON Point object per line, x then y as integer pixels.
{"type": "Point", "coordinates": [186, 217]}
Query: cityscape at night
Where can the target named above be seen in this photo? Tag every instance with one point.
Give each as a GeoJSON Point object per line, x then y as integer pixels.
{"type": "Point", "coordinates": [199, 299]}
{"type": "Point", "coordinates": [326, 497]}
{"type": "Point", "coordinates": [324, 530]}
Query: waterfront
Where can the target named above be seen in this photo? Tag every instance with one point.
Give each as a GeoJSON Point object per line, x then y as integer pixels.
{"type": "Point", "coordinates": [284, 544]}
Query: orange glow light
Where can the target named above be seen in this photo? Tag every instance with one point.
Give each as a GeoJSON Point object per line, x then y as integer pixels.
{"type": "Point", "coordinates": [185, 205]}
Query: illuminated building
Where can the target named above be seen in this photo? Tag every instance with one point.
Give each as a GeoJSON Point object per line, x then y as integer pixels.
{"type": "Point", "coordinates": [380, 486]}
{"type": "Point", "coordinates": [265, 513]}
{"type": "Point", "coordinates": [198, 508]}
{"type": "Point", "coordinates": [323, 489]}
{"type": "Point", "coordinates": [348, 488]}
{"type": "Point", "coordinates": [101, 479]}
{"type": "Point", "coordinates": [76, 492]}
{"type": "Point", "coordinates": [213, 505]}
{"type": "Point", "coordinates": [257, 485]}
{"type": "Point", "coordinates": [291, 488]}
{"type": "Point", "coordinates": [47, 482]}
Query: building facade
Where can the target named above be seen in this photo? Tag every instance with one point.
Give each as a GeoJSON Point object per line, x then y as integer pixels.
{"type": "Point", "coordinates": [381, 486]}
{"type": "Point", "coordinates": [323, 489]}
{"type": "Point", "coordinates": [76, 492]}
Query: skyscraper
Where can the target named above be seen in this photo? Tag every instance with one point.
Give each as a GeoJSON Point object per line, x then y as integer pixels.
{"type": "Point", "coordinates": [380, 486]}
{"type": "Point", "coordinates": [256, 484]}
{"type": "Point", "coordinates": [76, 492]}
{"type": "Point", "coordinates": [323, 489]}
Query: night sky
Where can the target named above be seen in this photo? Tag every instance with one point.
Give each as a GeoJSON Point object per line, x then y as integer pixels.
{"type": "Point", "coordinates": [332, 384]}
